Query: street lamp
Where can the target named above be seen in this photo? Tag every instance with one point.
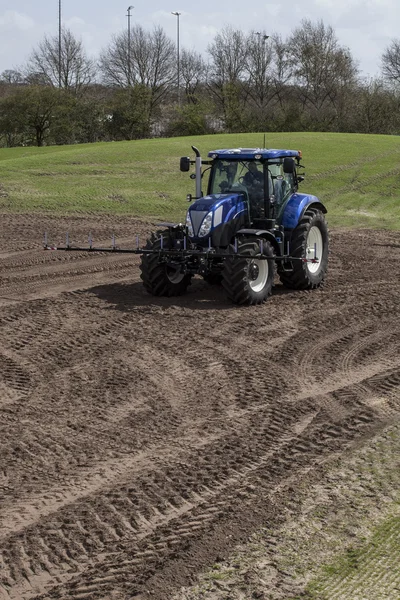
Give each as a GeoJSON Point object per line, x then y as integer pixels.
{"type": "Point", "coordinates": [59, 43]}
{"type": "Point", "coordinates": [129, 43]}
{"type": "Point", "coordinates": [262, 36]}
{"type": "Point", "coordinates": [177, 14]}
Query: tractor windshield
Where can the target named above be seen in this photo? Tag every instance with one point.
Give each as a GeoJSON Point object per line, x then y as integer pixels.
{"type": "Point", "coordinates": [241, 176]}
{"type": "Point", "coordinates": [229, 175]}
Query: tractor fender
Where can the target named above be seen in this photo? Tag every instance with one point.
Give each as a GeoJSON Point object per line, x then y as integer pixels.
{"type": "Point", "coordinates": [296, 207]}
{"type": "Point", "coordinates": [262, 233]}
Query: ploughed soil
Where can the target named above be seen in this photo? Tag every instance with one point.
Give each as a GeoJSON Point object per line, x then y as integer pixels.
{"type": "Point", "coordinates": [142, 439]}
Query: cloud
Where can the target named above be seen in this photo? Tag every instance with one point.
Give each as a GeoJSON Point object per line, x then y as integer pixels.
{"type": "Point", "coordinates": [12, 19]}
{"type": "Point", "coordinates": [74, 23]}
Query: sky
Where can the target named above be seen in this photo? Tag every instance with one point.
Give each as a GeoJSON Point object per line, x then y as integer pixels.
{"type": "Point", "coordinates": [366, 27]}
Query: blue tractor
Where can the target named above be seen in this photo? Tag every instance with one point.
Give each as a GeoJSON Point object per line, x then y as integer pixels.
{"type": "Point", "coordinates": [252, 223]}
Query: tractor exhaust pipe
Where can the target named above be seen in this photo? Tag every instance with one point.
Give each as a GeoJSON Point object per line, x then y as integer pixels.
{"type": "Point", "coordinates": [198, 172]}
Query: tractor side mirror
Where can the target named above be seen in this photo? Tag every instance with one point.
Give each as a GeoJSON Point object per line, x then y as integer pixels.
{"type": "Point", "coordinates": [288, 165]}
{"type": "Point", "coordinates": [185, 164]}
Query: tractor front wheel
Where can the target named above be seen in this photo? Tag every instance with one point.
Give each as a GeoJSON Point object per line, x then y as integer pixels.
{"type": "Point", "coordinates": [309, 245]}
{"type": "Point", "coordinates": [246, 278]}
{"type": "Point", "coordinates": [162, 278]}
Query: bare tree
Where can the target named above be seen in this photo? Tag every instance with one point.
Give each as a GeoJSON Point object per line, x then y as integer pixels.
{"type": "Point", "coordinates": [228, 52]}
{"type": "Point", "coordinates": [142, 64]}
{"type": "Point", "coordinates": [114, 62]}
{"type": "Point", "coordinates": [11, 77]}
{"type": "Point", "coordinates": [391, 62]}
{"type": "Point", "coordinates": [321, 68]}
{"type": "Point", "coordinates": [150, 62]}
{"type": "Point", "coordinates": [259, 68]}
{"type": "Point", "coordinates": [227, 75]}
{"type": "Point", "coordinates": [153, 56]}
{"type": "Point", "coordinates": [75, 70]}
{"type": "Point", "coordinates": [376, 108]}
{"type": "Point", "coordinates": [282, 66]}
{"type": "Point", "coordinates": [146, 58]}
{"type": "Point", "coordinates": [193, 73]}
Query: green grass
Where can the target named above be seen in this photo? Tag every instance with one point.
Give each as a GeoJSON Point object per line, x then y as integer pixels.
{"type": "Point", "coordinates": [357, 176]}
{"type": "Point", "coordinates": [370, 570]}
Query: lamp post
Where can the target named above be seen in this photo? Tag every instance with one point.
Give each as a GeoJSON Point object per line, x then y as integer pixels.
{"type": "Point", "coordinates": [178, 14]}
{"type": "Point", "coordinates": [129, 43]}
{"type": "Point", "coordinates": [59, 43]}
{"type": "Point", "coordinates": [262, 36]}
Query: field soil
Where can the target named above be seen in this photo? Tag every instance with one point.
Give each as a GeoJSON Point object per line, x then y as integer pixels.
{"type": "Point", "coordinates": [143, 439]}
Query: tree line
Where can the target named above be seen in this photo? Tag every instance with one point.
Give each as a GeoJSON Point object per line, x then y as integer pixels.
{"type": "Point", "coordinates": [247, 82]}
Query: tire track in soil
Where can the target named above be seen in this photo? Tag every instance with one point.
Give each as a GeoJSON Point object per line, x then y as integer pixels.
{"type": "Point", "coordinates": [15, 381]}
{"type": "Point", "coordinates": [183, 519]}
{"type": "Point", "coordinates": [155, 434]}
{"type": "Point", "coordinates": [299, 447]}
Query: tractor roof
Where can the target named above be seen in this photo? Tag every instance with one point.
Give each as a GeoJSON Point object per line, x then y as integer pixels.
{"type": "Point", "coordinates": [252, 153]}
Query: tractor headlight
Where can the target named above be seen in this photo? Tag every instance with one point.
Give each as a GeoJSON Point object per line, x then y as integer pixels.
{"type": "Point", "coordinates": [189, 224]}
{"type": "Point", "coordinates": [206, 225]}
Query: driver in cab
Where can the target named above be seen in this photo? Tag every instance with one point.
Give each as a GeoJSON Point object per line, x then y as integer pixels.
{"type": "Point", "coordinates": [253, 177]}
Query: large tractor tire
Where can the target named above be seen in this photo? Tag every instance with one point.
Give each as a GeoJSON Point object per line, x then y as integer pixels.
{"type": "Point", "coordinates": [310, 233]}
{"type": "Point", "coordinates": [160, 278]}
{"type": "Point", "coordinates": [246, 279]}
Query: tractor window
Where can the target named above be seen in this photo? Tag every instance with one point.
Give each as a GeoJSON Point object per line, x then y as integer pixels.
{"type": "Point", "coordinates": [246, 176]}
{"type": "Point", "coordinates": [283, 183]}
{"type": "Point", "coordinates": [235, 175]}
{"type": "Point", "coordinates": [224, 176]}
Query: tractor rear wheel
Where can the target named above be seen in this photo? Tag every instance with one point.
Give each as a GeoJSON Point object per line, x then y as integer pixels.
{"type": "Point", "coordinates": [246, 279]}
{"type": "Point", "coordinates": [309, 238]}
{"type": "Point", "coordinates": [162, 278]}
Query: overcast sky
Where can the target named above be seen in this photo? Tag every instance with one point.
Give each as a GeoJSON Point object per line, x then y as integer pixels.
{"type": "Point", "coordinates": [365, 26]}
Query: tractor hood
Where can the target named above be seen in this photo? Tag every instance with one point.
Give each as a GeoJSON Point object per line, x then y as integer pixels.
{"type": "Point", "coordinates": [216, 215]}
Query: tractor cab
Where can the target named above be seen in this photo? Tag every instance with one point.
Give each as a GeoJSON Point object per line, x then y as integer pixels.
{"type": "Point", "coordinates": [266, 178]}
{"type": "Point", "coordinates": [240, 177]}
{"type": "Point", "coordinates": [259, 181]}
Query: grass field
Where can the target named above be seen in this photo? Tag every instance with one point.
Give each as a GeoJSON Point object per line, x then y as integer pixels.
{"type": "Point", "coordinates": [357, 176]}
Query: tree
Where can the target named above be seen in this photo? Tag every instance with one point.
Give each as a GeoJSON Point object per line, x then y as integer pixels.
{"type": "Point", "coordinates": [259, 68]}
{"type": "Point", "coordinates": [128, 113]}
{"type": "Point", "coordinates": [377, 108]}
{"type": "Point", "coordinates": [12, 126]}
{"type": "Point", "coordinates": [228, 52]}
{"type": "Point", "coordinates": [193, 73]}
{"type": "Point", "coordinates": [75, 70]}
{"type": "Point", "coordinates": [262, 88]}
{"type": "Point", "coordinates": [114, 62]}
{"type": "Point", "coordinates": [189, 119]}
{"type": "Point", "coordinates": [321, 69]}
{"type": "Point", "coordinates": [150, 65]}
{"type": "Point", "coordinates": [148, 58]}
{"type": "Point", "coordinates": [391, 62]}
{"type": "Point", "coordinates": [11, 77]}
{"type": "Point", "coordinates": [227, 78]}
{"type": "Point", "coordinates": [28, 114]}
